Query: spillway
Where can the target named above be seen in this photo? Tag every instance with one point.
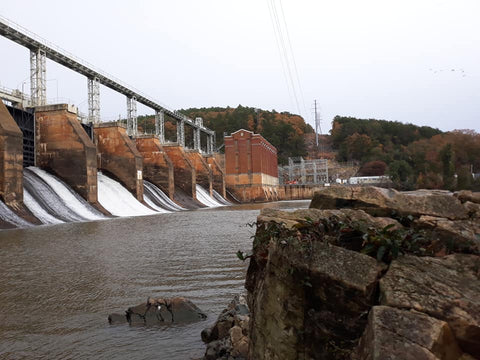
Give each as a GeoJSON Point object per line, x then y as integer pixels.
{"type": "Point", "coordinates": [118, 200]}
{"type": "Point", "coordinates": [9, 216]}
{"type": "Point", "coordinates": [204, 197]}
{"type": "Point", "coordinates": [157, 199]}
{"type": "Point", "coordinates": [220, 198]}
{"type": "Point", "coordinates": [52, 201]}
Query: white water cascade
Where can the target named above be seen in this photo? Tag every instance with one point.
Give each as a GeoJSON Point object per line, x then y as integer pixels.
{"type": "Point", "coordinates": [204, 197]}
{"type": "Point", "coordinates": [52, 201]}
{"type": "Point", "coordinates": [157, 199]}
{"type": "Point", "coordinates": [118, 200]}
{"type": "Point", "coordinates": [9, 216]}
{"type": "Point", "coordinates": [220, 198]}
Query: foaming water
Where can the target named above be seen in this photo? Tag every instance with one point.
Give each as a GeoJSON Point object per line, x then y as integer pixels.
{"type": "Point", "coordinates": [73, 200]}
{"type": "Point", "coordinates": [9, 216]}
{"type": "Point", "coordinates": [204, 197]}
{"type": "Point", "coordinates": [119, 201]}
{"type": "Point", "coordinates": [59, 283]}
{"type": "Point", "coordinates": [52, 201]}
{"type": "Point", "coordinates": [220, 198]}
{"type": "Point", "coordinates": [156, 198]}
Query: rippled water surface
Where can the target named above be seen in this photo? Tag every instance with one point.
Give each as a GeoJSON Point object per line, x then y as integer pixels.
{"type": "Point", "coordinates": [59, 283]}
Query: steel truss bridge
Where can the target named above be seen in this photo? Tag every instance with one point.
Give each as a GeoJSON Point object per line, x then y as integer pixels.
{"type": "Point", "coordinates": [41, 49]}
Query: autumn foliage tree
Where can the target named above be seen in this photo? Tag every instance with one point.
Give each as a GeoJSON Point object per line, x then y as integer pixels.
{"type": "Point", "coordinates": [373, 168]}
{"type": "Point", "coordinates": [417, 156]}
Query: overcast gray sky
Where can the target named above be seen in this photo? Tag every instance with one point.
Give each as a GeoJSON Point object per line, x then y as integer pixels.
{"type": "Point", "coordinates": [413, 61]}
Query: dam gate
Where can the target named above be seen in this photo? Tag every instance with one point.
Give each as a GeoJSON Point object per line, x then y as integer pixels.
{"type": "Point", "coordinates": [25, 119]}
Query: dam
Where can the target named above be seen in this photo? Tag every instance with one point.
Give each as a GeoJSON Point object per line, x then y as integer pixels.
{"type": "Point", "coordinates": [95, 215]}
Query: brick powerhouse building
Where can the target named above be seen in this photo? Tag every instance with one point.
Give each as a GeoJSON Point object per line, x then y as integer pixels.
{"type": "Point", "coordinates": [251, 172]}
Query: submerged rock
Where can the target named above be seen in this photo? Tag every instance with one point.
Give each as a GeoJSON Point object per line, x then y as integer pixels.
{"type": "Point", "coordinates": [160, 311]}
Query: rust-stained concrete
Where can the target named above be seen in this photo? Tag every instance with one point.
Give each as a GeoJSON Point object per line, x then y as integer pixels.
{"type": "Point", "coordinates": [118, 157]}
{"type": "Point", "coordinates": [204, 176]}
{"type": "Point", "coordinates": [157, 167]}
{"type": "Point", "coordinates": [11, 159]}
{"type": "Point", "coordinates": [218, 175]}
{"type": "Point", "coordinates": [64, 149]}
{"type": "Point", "coordinates": [183, 170]}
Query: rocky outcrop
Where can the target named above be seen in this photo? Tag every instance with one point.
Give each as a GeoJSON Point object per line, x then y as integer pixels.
{"type": "Point", "coordinates": [227, 338]}
{"type": "Point", "coordinates": [346, 284]}
{"type": "Point", "coordinates": [468, 196]}
{"type": "Point", "coordinates": [299, 292]}
{"type": "Point", "coordinates": [446, 288]}
{"type": "Point", "coordinates": [159, 311]}
{"type": "Point", "coordinates": [380, 201]}
{"type": "Point", "coordinates": [390, 335]}
{"type": "Point", "coordinates": [443, 216]}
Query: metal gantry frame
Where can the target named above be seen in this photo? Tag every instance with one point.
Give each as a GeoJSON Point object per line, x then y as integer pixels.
{"type": "Point", "coordinates": [132, 126]}
{"type": "Point", "coordinates": [211, 143]}
{"type": "Point", "coordinates": [41, 49]}
{"type": "Point", "coordinates": [38, 77]}
{"type": "Point", "coordinates": [93, 100]}
{"type": "Point", "coordinates": [160, 125]}
{"type": "Point", "coordinates": [301, 171]}
{"type": "Point", "coordinates": [196, 134]}
{"type": "Point", "coordinates": [181, 133]}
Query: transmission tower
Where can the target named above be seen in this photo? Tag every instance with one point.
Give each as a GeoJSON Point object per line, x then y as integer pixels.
{"type": "Point", "coordinates": [318, 128]}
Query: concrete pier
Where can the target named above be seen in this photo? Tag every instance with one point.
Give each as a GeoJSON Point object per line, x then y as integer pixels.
{"type": "Point", "coordinates": [157, 167]}
{"type": "Point", "coordinates": [118, 157]}
{"type": "Point", "coordinates": [11, 159]}
{"type": "Point", "coordinates": [218, 175]}
{"type": "Point", "coordinates": [183, 170]}
{"type": "Point", "coordinates": [203, 172]}
{"type": "Point", "coordinates": [64, 149]}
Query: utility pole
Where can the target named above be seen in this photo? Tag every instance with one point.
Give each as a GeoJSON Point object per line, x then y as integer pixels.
{"type": "Point", "coordinates": [318, 128]}
{"type": "Point", "coordinates": [317, 122]}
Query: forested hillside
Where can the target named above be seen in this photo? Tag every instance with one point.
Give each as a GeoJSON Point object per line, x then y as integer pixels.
{"type": "Point", "coordinates": [415, 156]}
{"type": "Point", "coordinates": [283, 130]}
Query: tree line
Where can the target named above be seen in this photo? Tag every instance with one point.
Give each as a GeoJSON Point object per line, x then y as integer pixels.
{"type": "Point", "coordinates": [413, 156]}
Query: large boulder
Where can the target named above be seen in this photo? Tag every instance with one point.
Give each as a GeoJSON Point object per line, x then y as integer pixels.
{"type": "Point", "coordinates": [462, 234]}
{"type": "Point", "coordinates": [290, 219]}
{"type": "Point", "coordinates": [160, 311]}
{"type": "Point", "coordinates": [446, 288]}
{"type": "Point", "coordinates": [384, 202]}
{"type": "Point", "coordinates": [406, 335]}
{"type": "Point", "coordinates": [467, 195]}
{"type": "Point", "coordinates": [306, 299]}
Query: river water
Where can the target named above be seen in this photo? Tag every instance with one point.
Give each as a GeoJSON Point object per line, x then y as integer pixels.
{"type": "Point", "coordinates": [58, 283]}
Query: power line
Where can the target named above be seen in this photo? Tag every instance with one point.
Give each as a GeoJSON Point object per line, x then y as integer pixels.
{"type": "Point", "coordinates": [293, 58]}
{"type": "Point", "coordinates": [280, 53]}
{"type": "Point", "coordinates": [285, 54]}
